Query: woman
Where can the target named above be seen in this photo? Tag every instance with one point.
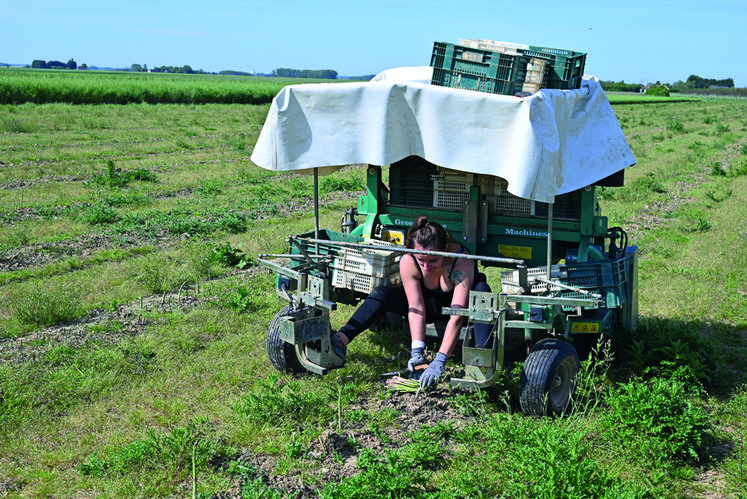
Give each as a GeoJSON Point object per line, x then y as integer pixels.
{"type": "Point", "coordinates": [429, 283]}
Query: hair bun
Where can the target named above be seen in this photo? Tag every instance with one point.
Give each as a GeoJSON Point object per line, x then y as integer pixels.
{"type": "Point", "coordinates": [427, 234]}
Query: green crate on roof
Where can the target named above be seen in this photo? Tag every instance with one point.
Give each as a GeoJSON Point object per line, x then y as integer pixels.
{"type": "Point", "coordinates": [457, 66]}
{"type": "Point", "coordinates": [566, 67]}
{"type": "Point", "coordinates": [506, 70]}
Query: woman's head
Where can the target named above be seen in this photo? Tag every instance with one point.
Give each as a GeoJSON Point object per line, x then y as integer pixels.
{"type": "Point", "coordinates": [427, 235]}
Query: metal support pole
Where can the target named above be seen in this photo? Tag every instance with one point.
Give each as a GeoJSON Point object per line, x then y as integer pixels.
{"type": "Point", "coordinates": [316, 203]}
{"type": "Point", "coordinates": [549, 240]}
{"type": "Point", "coordinates": [402, 249]}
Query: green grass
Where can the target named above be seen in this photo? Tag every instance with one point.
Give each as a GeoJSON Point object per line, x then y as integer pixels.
{"type": "Point", "coordinates": [633, 98]}
{"type": "Point", "coordinates": [155, 382]}
{"type": "Point", "coordinates": [19, 86]}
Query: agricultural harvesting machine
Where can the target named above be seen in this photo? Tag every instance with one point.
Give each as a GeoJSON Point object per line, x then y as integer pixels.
{"type": "Point", "coordinates": [514, 179]}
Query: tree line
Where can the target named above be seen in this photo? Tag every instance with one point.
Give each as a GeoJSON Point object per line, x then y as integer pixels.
{"type": "Point", "coordinates": [324, 74]}
{"type": "Point", "coordinates": [41, 64]}
{"type": "Point", "coordinates": [693, 83]}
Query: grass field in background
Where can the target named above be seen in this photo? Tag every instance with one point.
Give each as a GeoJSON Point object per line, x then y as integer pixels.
{"type": "Point", "coordinates": [134, 321]}
{"type": "Point", "coordinates": [43, 86]}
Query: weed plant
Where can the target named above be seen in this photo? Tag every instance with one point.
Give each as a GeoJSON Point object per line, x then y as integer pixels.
{"type": "Point", "coordinates": [658, 418]}
{"type": "Point", "coordinates": [41, 305]}
{"type": "Point", "coordinates": [115, 177]}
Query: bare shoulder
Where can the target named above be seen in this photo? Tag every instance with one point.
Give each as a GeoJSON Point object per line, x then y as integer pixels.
{"type": "Point", "coordinates": [464, 268]}
{"type": "Point", "coordinates": [408, 268]}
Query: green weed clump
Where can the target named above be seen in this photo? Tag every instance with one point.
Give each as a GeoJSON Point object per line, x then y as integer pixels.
{"type": "Point", "coordinates": [675, 126]}
{"type": "Point", "coordinates": [396, 474]}
{"type": "Point", "coordinates": [538, 458]}
{"type": "Point", "coordinates": [657, 340]}
{"type": "Point", "coordinates": [658, 418]}
{"type": "Point", "coordinates": [334, 183]}
{"type": "Point", "coordinates": [244, 299]}
{"type": "Point", "coordinates": [116, 177]}
{"type": "Point", "coordinates": [732, 171]}
{"type": "Point", "coordinates": [232, 256]}
{"type": "Point", "coordinates": [156, 277]}
{"type": "Point", "coordinates": [404, 472]}
{"type": "Point", "coordinates": [542, 466]}
{"type": "Point", "coordinates": [638, 190]}
{"type": "Point", "coordinates": [174, 454]}
{"type": "Point", "coordinates": [650, 183]}
{"type": "Point", "coordinates": [100, 214]}
{"type": "Point", "coordinates": [283, 403]}
{"type": "Point", "coordinates": [47, 305]}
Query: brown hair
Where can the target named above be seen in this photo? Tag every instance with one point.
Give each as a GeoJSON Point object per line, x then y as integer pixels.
{"type": "Point", "coordinates": [427, 234]}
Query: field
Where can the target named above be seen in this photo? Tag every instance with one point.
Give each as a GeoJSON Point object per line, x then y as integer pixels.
{"type": "Point", "coordinates": [134, 317]}
{"type": "Point", "coordinates": [20, 86]}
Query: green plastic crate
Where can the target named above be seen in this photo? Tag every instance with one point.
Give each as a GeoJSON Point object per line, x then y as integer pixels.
{"type": "Point", "coordinates": [505, 72]}
{"type": "Point", "coordinates": [566, 67]}
{"type": "Point", "coordinates": [487, 71]}
{"type": "Point", "coordinates": [356, 268]}
{"type": "Point", "coordinates": [607, 278]}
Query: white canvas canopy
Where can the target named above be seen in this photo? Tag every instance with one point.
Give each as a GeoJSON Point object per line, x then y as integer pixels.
{"type": "Point", "coordinates": [549, 143]}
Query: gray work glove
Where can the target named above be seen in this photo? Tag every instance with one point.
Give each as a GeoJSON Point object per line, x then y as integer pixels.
{"type": "Point", "coordinates": [434, 370]}
{"type": "Point", "coordinates": [416, 359]}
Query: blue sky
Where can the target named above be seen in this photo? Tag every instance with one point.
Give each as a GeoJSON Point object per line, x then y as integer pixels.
{"type": "Point", "coordinates": [631, 40]}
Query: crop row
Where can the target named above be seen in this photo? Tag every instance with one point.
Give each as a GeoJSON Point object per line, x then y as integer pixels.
{"type": "Point", "coordinates": [94, 87]}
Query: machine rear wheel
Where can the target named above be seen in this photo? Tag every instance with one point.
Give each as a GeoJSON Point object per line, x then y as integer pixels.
{"type": "Point", "coordinates": [282, 354]}
{"type": "Point", "coordinates": [548, 379]}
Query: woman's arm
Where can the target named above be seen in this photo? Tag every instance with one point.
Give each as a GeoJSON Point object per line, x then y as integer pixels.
{"type": "Point", "coordinates": [410, 274]}
{"type": "Point", "coordinates": [462, 276]}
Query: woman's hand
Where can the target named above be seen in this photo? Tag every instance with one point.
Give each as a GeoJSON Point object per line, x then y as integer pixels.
{"type": "Point", "coordinates": [430, 376]}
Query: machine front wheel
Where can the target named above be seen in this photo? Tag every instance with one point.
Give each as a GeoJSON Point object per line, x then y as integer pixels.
{"type": "Point", "coordinates": [549, 377]}
{"type": "Point", "coordinates": [282, 354]}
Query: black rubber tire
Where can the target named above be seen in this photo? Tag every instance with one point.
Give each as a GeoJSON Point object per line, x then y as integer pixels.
{"type": "Point", "coordinates": [282, 355]}
{"type": "Point", "coordinates": [548, 379]}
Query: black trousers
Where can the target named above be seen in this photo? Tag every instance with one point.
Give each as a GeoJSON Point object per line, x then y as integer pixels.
{"type": "Point", "coordinates": [385, 299]}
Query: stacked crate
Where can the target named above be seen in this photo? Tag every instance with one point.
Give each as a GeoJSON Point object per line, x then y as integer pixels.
{"type": "Point", "coordinates": [505, 68]}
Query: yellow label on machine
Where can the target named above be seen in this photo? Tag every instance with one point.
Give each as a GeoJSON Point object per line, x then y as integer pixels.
{"type": "Point", "coordinates": [515, 251]}
{"type": "Point", "coordinates": [393, 236]}
{"type": "Point", "coordinates": [585, 327]}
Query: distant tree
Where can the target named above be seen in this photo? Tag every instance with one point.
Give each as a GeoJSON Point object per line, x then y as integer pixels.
{"type": "Point", "coordinates": [328, 74]}
{"type": "Point", "coordinates": [56, 65]}
{"type": "Point", "coordinates": [658, 89]}
{"type": "Point", "coordinates": [231, 72]}
{"type": "Point", "coordinates": [620, 86]}
{"type": "Point", "coordinates": [71, 64]}
{"type": "Point", "coordinates": [136, 68]}
{"type": "Point", "coordinates": [39, 64]}
{"type": "Point", "coordinates": [694, 82]}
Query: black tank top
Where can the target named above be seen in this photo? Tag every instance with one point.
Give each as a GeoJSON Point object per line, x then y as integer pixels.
{"type": "Point", "coordinates": [429, 291]}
